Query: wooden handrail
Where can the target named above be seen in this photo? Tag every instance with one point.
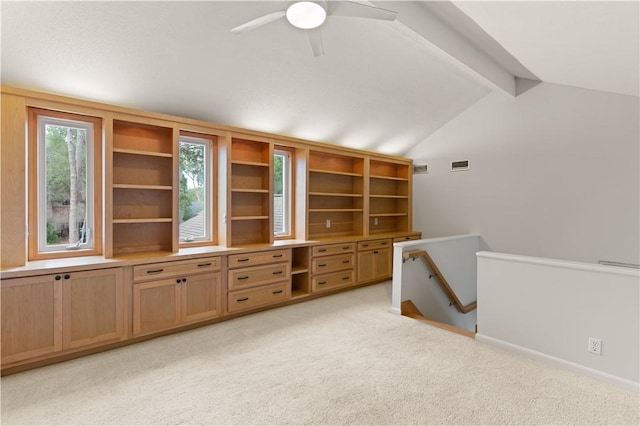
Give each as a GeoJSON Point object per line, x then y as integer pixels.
{"type": "Point", "coordinates": [409, 309]}
{"type": "Point", "coordinates": [422, 254]}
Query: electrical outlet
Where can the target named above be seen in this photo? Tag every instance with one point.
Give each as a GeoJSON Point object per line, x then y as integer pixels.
{"type": "Point", "coordinates": [328, 223]}
{"type": "Point", "coordinates": [595, 346]}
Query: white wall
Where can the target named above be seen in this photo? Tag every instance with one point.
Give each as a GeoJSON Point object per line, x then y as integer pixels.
{"type": "Point", "coordinates": [554, 173]}
{"type": "Point", "coordinates": [550, 308]}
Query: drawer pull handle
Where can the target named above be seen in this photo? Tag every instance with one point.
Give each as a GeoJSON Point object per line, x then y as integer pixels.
{"type": "Point", "coordinates": [246, 259]}
{"type": "Point", "coordinates": [154, 271]}
{"type": "Point", "coordinates": [384, 243]}
{"type": "Point", "coordinates": [322, 265]}
{"type": "Point", "coordinates": [346, 248]}
{"type": "Point", "coordinates": [246, 277]}
{"type": "Point", "coordinates": [345, 278]}
{"type": "Point", "coordinates": [204, 265]}
{"type": "Point", "coordinates": [322, 283]}
{"type": "Point", "coordinates": [322, 250]}
{"type": "Point", "coordinates": [375, 252]}
{"type": "Point", "coordinates": [277, 292]}
{"type": "Point", "coordinates": [277, 272]}
{"type": "Point", "coordinates": [365, 245]}
{"type": "Point", "coordinates": [346, 261]}
{"type": "Point", "coordinates": [275, 256]}
{"type": "Point", "coordinates": [244, 299]}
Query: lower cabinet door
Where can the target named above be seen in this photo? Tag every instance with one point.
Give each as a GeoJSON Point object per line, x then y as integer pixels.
{"type": "Point", "coordinates": [92, 307]}
{"type": "Point", "coordinates": [31, 317]}
{"type": "Point", "coordinates": [242, 300]}
{"type": "Point", "coordinates": [201, 297]}
{"type": "Point", "coordinates": [156, 305]}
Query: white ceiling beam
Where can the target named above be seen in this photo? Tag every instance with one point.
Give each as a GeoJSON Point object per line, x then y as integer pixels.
{"type": "Point", "coordinates": [446, 27]}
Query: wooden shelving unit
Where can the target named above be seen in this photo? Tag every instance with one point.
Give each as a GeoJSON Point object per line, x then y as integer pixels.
{"type": "Point", "coordinates": [143, 210]}
{"type": "Point", "coordinates": [336, 195]}
{"type": "Point", "coordinates": [250, 192]}
{"type": "Point", "coordinates": [389, 197]}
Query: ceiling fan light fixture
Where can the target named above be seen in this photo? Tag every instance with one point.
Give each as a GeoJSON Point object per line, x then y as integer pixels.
{"type": "Point", "coordinates": [306, 14]}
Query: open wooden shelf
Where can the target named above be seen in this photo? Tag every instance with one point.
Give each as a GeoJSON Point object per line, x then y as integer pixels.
{"type": "Point", "coordinates": [142, 184]}
{"type": "Point", "coordinates": [250, 194]}
{"type": "Point", "coordinates": [389, 196]}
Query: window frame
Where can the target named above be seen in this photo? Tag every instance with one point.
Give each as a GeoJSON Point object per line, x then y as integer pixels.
{"type": "Point", "coordinates": [37, 224]}
{"type": "Point", "coordinates": [288, 188]}
{"type": "Point", "coordinates": [210, 198]}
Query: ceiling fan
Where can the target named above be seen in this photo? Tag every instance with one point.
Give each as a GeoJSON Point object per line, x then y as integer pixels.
{"type": "Point", "coordinates": [310, 15]}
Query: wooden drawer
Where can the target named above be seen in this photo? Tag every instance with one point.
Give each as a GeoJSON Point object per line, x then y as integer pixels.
{"type": "Point", "coordinates": [374, 244]}
{"type": "Point", "coordinates": [322, 265]}
{"type": "Point", "coordinates": [154, 271]}
{"type": "Point", "coordinates": [258, 258]}
{"type": "Point", "coordinates": [258, 275]}
{"type": "Point", "coordinates": [261, 296]}
{"type": "Point", "coordinates": [331, 281]}
{"type": "Point", "coordinates": [406, 238]}
{"type": "Point", "coordinates": [329, 249]}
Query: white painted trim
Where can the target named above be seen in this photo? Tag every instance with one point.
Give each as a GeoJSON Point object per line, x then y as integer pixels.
{"type": "Point", "coordinates": [565, 264]}
{"type": "Point", "coordinates": [412, 243]}
{"type": "Point", "coordinates": [558, 362]}
{"type": "Point", "coordinates": [395, 311]}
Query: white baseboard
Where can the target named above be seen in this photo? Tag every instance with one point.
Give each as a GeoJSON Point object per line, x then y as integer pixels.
{"type": "Point", "coordinates": [395, 310]}
{"type": "Point", "coordinates": [590, 372]}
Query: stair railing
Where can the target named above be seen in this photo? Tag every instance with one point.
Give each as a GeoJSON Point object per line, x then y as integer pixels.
{"type": "Point", "coordinates": [455, 301]}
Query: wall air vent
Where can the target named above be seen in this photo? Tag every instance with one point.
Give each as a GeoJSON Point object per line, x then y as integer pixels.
{"type": "Point", "coordinates": [420, 168]}
{"type": "Point", "coordinates": [457, 166]}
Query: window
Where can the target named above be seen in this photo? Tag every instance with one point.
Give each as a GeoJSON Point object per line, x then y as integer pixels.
{"type": "Point", "coordinates": [196, 203]}
{"type": "Point", "coordinates": [65, 201]}
{"type": "Point", "coordinates": [282, 199]}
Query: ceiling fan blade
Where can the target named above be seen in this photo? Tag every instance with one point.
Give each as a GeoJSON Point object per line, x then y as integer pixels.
{"type": "Point", "coordinates": [359, 10]}
{"type": "Point", "coordinates": [315, 38]}
{"type": "Point", "coordinates": [258, 22]}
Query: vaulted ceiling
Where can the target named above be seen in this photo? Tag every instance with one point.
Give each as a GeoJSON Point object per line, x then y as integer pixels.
{"type": "Point", "coordinates": [384, 86]}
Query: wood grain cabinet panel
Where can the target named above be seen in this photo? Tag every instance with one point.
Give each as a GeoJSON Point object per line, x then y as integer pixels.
{"type": "Point", "coordinates": [374, 260]}
{"type": "Point", "coordinates": [242, 300]}
{"type": "Point", "coordinates": [93, 307]}
{"type": "Point", "coordinates": [31, 317]}
{"type": "Point", "coordinates": [164, 304]}
{"type": "Point", "coordinates": [57, 312]}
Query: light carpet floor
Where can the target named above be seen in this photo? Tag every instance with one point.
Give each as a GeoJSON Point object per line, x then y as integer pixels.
{"type": "Point", "coordinates": [342, 359]}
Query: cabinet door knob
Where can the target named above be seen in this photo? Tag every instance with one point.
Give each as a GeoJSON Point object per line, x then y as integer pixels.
{"type": "Point", "coordinates": [67, 276]}
{"type": "Point", "coordinates": [58, 277]}
{"type": "Point", "coordinates": [184, 280]}
{"type": "Point", "coordinates": [178, 281]}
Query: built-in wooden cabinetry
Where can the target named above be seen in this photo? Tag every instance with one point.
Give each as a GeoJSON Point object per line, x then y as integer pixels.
{"type": "Point", "coordinates": [56, 312]}
{"type": "Point", "coordinates": [144, 203]}
{"type": "Point", "coordinates": [258, 279]}
{"type": "Point", "coordinates": [332, 266]}
{"type": "Point", "coordinates": [349, 207]}
{"type": "Point", "coordinates": [374, 260]}
{"type": "Point", "coordinates": [169, 294]}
